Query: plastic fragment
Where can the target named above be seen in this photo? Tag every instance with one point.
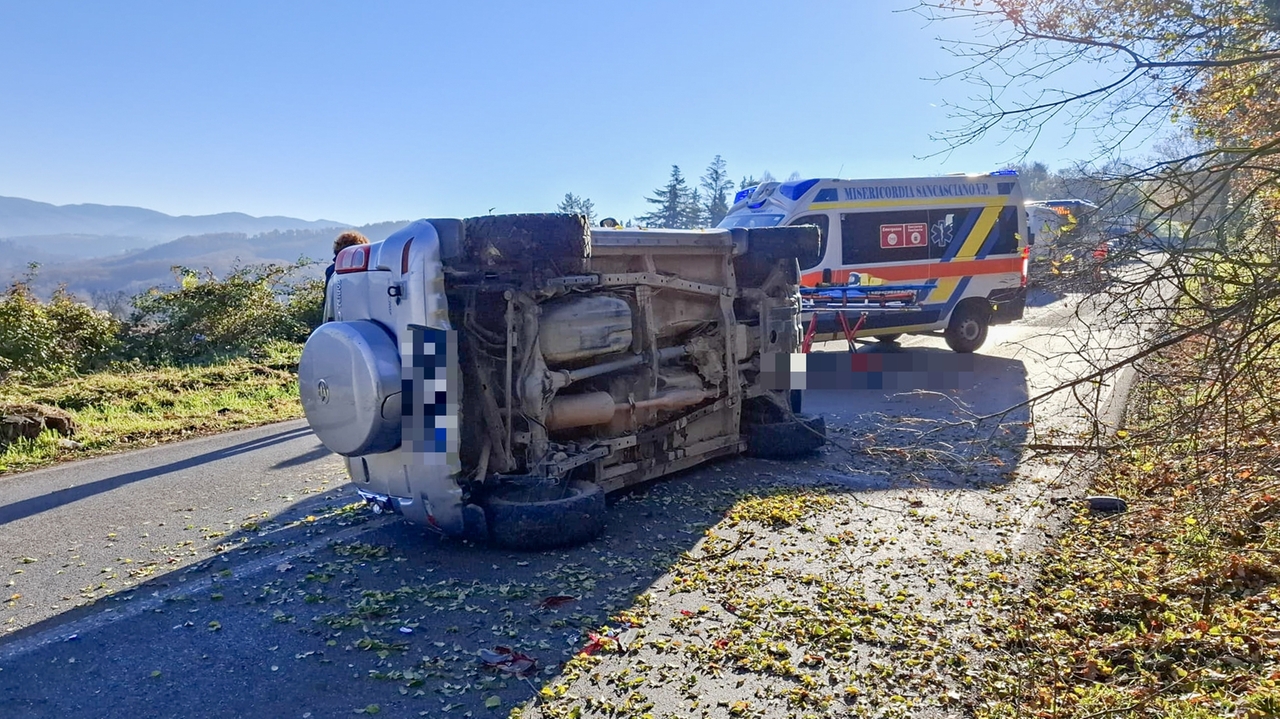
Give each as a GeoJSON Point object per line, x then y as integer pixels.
{"type": "Point", "coordinates": [1105, 503]}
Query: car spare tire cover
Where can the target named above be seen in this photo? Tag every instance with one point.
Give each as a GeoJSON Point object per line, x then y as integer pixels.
{"type": "Point", "coordinates": [347, 374]}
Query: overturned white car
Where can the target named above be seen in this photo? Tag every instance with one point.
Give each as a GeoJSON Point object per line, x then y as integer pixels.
{"type": "Point", "coordinates": [495, 377]}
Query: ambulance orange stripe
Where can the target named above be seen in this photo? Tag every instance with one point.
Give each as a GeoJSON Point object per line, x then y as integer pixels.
{"type": "Point", "coordinates": [897, 273]}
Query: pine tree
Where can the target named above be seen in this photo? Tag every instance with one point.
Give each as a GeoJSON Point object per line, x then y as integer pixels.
{"type": "Point", "coordinates": [695, 215]}
{"type": "Point", "coordinates": [752, 182]}
{"type": "Point", "coordinates": [672, 203]}
{"type": "Point", "coordinates": [718, 186]}
{"type": "Point", "coordinates": [575, 205]}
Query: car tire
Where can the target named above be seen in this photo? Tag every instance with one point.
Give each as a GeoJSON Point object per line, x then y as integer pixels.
{"type": "Point", "coordinates": [789, 439]}
{"type": "Point", "coordinates": [967, 330]}
{"type": "Point", "coordinates": [560, 243]}
{"type": "Point", "coordinates": [801, 242]}
{"type": "Point", "coordinates": [523, 517]}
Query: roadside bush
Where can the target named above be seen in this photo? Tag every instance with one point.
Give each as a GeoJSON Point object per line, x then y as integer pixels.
{"type": "Point", "coordinates": [205, 317]}
{"type": "Point", "coordinates": [54, 338]}
{"type": "Point", "coordinates": [305, 305]}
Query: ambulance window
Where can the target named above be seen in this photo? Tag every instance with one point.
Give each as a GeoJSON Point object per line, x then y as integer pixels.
{"type": "Point", "coordinates": [1005, 232]}
{"type": "Point", "coordinates": [871, 237]}
{"type": "Point", "coordinates": [824, 227]}
{"type": "Point", "coordinates": [750, 220]}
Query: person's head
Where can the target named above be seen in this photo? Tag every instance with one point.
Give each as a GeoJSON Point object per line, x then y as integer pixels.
{"type": "Point", "coordinates": [348, 239]}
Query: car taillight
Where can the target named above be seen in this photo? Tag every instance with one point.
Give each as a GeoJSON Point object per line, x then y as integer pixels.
{"type": "Point", "coordinates": [1026, 256]}
{"type": "Point", "coordinates": [352, 259]}
{"type": "Point", "coordinates": [404, 257]}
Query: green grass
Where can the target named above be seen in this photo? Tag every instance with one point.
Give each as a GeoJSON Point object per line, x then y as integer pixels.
{"type": "Point", "coordinates": [133, 407]}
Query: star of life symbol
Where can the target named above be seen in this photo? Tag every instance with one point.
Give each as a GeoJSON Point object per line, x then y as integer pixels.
{"type": "Point", "coordinates": [941, 233]}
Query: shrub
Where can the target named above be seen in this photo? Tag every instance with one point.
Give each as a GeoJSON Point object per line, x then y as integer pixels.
{"type": "Point", "coordinates": [206, 317]}
{"type": "Point", "coordinates": [86, 336]}
{"type": "Point", "coordinates": [305, 306]}
{"type": "Point", "coordinates": [54, 338]}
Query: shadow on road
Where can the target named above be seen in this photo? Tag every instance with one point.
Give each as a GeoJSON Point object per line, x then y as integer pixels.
{"type": "Point", "coordinates": [320, 452]}
{"type": "Point", "coordinates": [28, 507]}
{"type": "Point", "coordinates": [397, 617]}
{"type": "Point", "coordinates": [1042, 297]}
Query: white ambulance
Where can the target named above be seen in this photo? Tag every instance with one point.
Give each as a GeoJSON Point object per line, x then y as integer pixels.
{"type": "Point", "coordinates": [960, 240]}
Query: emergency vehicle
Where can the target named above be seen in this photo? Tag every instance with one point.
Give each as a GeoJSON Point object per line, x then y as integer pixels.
{"type": "Point", "coordinates": [963, 238]}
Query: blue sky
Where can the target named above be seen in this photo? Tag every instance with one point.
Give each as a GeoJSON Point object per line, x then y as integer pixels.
{"type": "Point", "coordinates": [375, 110]}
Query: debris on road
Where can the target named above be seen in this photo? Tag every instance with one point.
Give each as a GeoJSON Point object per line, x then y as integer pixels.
{"type": "Point", "coordinates": [506, 659]}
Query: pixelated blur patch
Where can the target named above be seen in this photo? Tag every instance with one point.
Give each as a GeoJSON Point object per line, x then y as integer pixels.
{"type": "Point", "coordinates": [894, 371]}
{"type": "Point", "coordinates": [428, 382]}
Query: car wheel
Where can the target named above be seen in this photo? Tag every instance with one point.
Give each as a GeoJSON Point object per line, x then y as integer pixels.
{"type": "Point", "coordinates": [795, 398]}
{"type": "Point", "coordinates": [788, 439]}
{"type": "Point", "coordinates": [543, 515]}
{"type": "Point", "coordinates": [967, 330]}
{"type": "Point", "coordinates": [554, 242]}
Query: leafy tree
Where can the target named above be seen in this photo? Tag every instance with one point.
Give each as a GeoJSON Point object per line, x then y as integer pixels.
{"type": "Point", "coordinates": [718, 187]}
{"type": "Point", "coordinates": [578, 206]}
{"type": "Point", "coordinates": [671, 203]}
{"type": "Point", "coordinates": [1199, 318]}
{"type": "Point", "coordinates": [1041, 183]}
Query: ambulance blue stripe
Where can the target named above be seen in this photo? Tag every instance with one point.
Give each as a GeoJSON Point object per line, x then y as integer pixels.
{"type": "Point", "coordinates": [963, 235]}
{"type": "Point", "coordinates": [955, 296]}
{"type": "Point", "coordinates": [992, 237]}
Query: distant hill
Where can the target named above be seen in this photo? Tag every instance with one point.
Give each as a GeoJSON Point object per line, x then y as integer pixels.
{"type": "Point", "coordinates": [138, 270]}
{"type": "Point", "coordinates": [73, 245]}
{"type": "Point", "coordinates": [101, 230]}
{"type": "Point", "coordinates": [14, 256]}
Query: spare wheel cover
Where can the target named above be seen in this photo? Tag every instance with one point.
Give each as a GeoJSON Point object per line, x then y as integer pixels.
{"type": "Point", "coordinates": [346, 375]}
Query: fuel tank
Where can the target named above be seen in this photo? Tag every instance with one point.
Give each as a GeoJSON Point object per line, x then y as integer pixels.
{"type": "Point", "coordinates": [575, 329]}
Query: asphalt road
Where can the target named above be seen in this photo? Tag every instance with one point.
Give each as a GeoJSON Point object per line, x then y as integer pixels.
{"type": "Point", "coordinates": [228, 576]}
{"type": "Point", "coordinates": [77, 532]}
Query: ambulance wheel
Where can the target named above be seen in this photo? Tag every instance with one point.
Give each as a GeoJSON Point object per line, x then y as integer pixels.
{"type": "Point", "coordinates": [968, 327]}
{"type": "Point", "coordinates": [889, 338]}
{"type": "Point", "coordinates": [544, 516]}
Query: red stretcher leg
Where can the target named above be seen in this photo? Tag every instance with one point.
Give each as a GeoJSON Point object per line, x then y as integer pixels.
{"type": "Point", "coordinates": [808, 335]}
{"type": "Point", "coordinates": [848, 335]}
{"type": "Point", "coordinates": [862, 319]}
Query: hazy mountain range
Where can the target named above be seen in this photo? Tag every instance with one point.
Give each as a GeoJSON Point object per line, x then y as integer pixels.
{"type": "Point", "coordinates": [98, 230]}
{"type": "Point", "coordinates": [96, 250]}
